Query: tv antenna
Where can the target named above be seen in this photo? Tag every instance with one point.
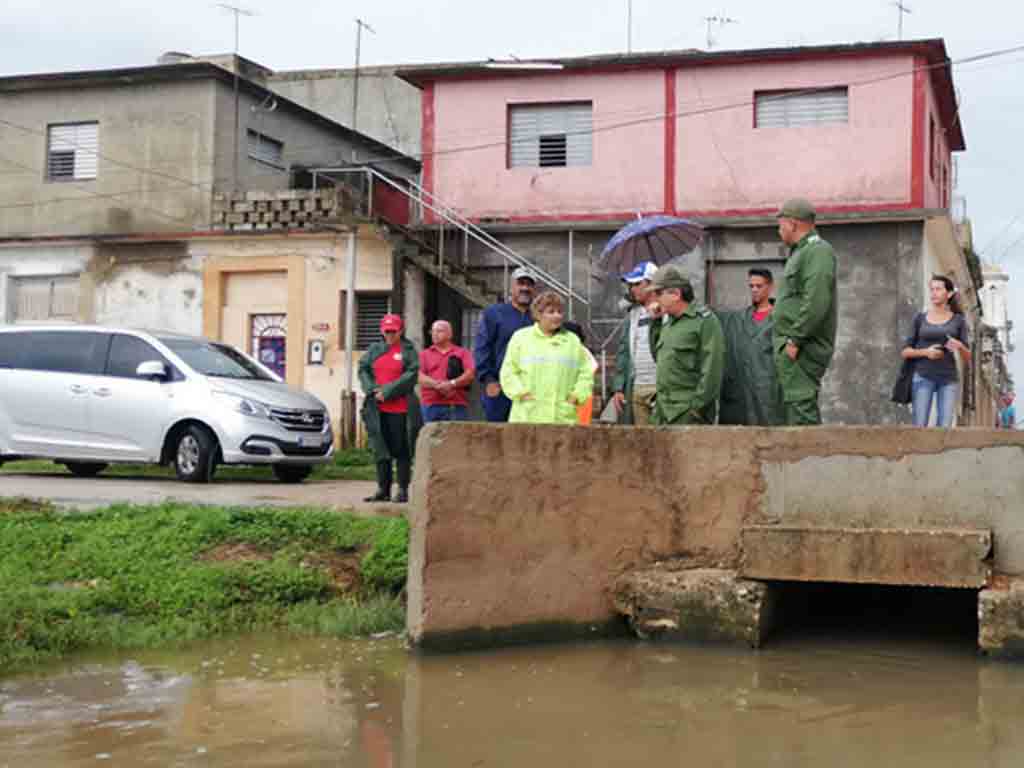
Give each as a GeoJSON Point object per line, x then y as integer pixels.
{"type": "Point", "coordinates": [360, 26]}
{"type": "Point", "coordinates": [719, 21]}
{"type": "Point", "coordinates": [238, 11]}
{"type": "Point", "coordinates": [902, 9]}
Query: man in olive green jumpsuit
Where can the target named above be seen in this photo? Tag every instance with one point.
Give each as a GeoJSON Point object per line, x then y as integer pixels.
{"type": "Point", "coordinates": [805, 314]}
{"type": "Point", "coordinates": [750, 388]}
{"type": "Point", "coordinates": [689, 352]}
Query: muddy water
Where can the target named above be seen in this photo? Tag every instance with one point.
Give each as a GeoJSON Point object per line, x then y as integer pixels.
{"type": "Point", "coordinates": [286, 702]}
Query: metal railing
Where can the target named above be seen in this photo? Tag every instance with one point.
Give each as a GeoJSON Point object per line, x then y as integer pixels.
{"type": "Point", "coordinates": [424, 200]}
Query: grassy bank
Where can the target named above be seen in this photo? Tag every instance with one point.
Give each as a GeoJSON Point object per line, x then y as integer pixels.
{"type": "Point", "coordinates": [354, 464]}
{"type": "Point", "coordinates": [133, 577]}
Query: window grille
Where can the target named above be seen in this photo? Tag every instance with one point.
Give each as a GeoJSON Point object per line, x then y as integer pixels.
{"type": "Point", "coordinates": [72, 151]}
{"type": "Point", "coordinates": [799, 108]}
{"type": "Point", "coordinates": [266, 149]}
{"type": "Point", "coordinates": [551, 135]}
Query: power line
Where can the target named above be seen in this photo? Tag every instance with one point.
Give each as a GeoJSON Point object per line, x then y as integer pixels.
{"type": "Point", "coordinates": [653, 117]}
{"type": "Point", "coordinates": [93, 193]}
{"type": "Point", "coordinates": [741, 104]}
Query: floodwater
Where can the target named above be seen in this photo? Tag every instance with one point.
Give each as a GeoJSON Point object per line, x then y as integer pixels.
{"type": "Point", "coordinates": [279, 701]}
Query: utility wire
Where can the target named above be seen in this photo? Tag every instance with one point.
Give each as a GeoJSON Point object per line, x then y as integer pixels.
{"type": "Point", "coordinates": [93, 193]}
{"type": "Point", "coordinates": [654, 117]}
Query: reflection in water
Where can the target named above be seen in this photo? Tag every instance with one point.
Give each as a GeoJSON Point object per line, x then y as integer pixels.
{"type": "Point", "coordinates": [285, 702]}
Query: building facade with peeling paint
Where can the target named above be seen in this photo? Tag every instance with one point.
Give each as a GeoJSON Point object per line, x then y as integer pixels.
{"type": "Point", "coordinates": [133, 198]}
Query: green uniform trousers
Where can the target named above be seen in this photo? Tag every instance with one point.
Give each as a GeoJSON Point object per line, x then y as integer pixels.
{"type": "Point", "coordinates": [799, 392]}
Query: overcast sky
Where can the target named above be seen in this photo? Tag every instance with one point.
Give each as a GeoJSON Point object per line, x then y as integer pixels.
{"type": "Point", "coordinates": [72, 34]}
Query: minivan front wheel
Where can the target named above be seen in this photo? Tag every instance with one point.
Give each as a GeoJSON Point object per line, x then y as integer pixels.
{"type": "Point", "coordinates": [288, 473]}
{"type": "Point", "coordinates": [195, 455]}
{"type": "Point", "coordinates": [85, 468]}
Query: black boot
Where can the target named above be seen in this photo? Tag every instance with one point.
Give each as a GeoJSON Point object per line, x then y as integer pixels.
{"type": "Point", "coordinates": [383, 482]}
{"type": "Point", "coordinates": [404, 476]}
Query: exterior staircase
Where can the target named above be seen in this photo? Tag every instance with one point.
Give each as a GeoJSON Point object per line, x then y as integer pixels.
{"type": "Point", "coordinates": [405, 207]}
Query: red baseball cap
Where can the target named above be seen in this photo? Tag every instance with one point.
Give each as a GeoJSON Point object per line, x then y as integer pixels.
{"type": "Point", "coordinates": [390, 323]}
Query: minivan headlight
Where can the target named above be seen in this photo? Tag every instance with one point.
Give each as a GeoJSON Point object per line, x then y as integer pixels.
{"type": "Point", "coordinates": [244, 405]}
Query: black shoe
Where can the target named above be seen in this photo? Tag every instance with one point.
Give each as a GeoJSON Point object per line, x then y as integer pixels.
{"type": "Point", "coordinates": [402, 497]}
{"type": "Point", "coordinates": [380, 495]}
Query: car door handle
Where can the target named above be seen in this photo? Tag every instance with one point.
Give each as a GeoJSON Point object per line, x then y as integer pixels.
{"type": "Point", "coordinates": [78, 389]}
{"type": "Point", "coordinates": [101, 392]}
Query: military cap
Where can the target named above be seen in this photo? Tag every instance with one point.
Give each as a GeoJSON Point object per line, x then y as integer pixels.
{"type": "Point", "coordinates": [670, 276]}
{"type": "Point", "coordinates": [797, 208]}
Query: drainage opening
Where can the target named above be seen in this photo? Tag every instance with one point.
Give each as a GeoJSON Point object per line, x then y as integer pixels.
{"type": "Point", "coordinates": [856, 612]}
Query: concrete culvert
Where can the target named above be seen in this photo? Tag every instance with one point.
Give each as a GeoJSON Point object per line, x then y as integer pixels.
{"type": "Point", "coordinates": [858, 613]}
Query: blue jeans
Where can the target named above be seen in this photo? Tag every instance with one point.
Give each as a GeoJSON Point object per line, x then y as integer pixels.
{"type": "Point", "coordinates": [445, 413]}
{"type": "Point", "coordinates": [497, 409]}
{"type": "Point", "coordinates": [925, 391]}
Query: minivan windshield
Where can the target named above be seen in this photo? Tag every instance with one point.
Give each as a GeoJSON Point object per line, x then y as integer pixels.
{"type": "Point", "coordinates": [219, 360]}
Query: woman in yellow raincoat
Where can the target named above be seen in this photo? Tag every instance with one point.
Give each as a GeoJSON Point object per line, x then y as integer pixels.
{"type": "Point", "coordinates": [547, 371]}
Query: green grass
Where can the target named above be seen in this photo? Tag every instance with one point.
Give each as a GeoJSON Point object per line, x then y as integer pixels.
{"type": "Point", "coordinates": [136, 577]}
{"type": "Point", "coordinates": [352, 464]}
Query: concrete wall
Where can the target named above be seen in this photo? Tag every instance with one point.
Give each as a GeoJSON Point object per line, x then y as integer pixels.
{"type": "Point", "coordinates": [389, 108]}
{"type": "Point", "coordinates": [156, 286]}
{"type": "Point", "coordinates": [159, 128]}
{"type": "Point", "coordinates": [306, 142]}
{"type": "Point", "coordinates": [627, 173]}
{"type": "Point", "coordinates": [537, 546]}
{"type": "Point", "coordinates": [726, 163]}
{"type": "Point", "coordinates": [143, 286]}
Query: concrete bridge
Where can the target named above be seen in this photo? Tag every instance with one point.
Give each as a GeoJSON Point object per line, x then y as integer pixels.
{"type": "Point", "coordinates": [523, 532]}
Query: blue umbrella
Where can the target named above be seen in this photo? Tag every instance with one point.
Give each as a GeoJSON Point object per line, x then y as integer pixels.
{"type": "Point", "coordinates": [656, 238]}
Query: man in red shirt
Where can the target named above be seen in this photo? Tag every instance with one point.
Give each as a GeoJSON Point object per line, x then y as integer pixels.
{"type": "Point", "coordinates": [750, 391]}
{"type": "Point", "coordinates": [761, 287]}
{"type": "Point", "coordinates": [446, 373]}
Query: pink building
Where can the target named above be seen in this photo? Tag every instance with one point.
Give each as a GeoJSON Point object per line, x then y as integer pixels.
{"type": "Point", "coordinates": [856, 128]}
{"type": "Point", "coordinates": [551, 157]}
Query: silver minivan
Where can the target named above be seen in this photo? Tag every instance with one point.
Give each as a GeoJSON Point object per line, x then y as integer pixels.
{"type": "Point", "coordinates": [87, 396]}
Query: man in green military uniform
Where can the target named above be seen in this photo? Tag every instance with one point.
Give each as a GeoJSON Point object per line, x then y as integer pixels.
{"type": "Point", "coordinates": [804, 336]}
{"type": "Point", "coordinates": [689, 351]}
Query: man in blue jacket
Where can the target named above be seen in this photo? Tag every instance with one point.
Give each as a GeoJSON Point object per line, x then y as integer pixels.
{"type": "Point", "coordinates": [497, 325]}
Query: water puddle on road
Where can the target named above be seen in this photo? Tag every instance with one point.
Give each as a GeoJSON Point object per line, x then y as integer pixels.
{"type": "Point", "coordinates": [282, 701]}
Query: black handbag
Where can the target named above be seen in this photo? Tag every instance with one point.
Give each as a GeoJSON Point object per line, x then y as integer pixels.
{"type": "Point", "coordinates": [903, 389]}
{"type": "Point", "coordinates": [455, 367]}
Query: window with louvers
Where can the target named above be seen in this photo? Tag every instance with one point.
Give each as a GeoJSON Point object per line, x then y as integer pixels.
{"type": "Point", "coordinates": [371, 306]}
{"type": "Point", "coordinates": [266, 149]}
{"type": "Point", "coordinates": [800, 108]}
{"type": "Point", "coordinates": [551, 135]}
{"type": "Point", "coordinates": [72, 152]}
{"type": "Point", "coordinates": [45, 299]}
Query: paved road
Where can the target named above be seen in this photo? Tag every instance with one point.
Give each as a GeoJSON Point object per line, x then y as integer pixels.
{"type": "Point", "coordinates": [73, 492]}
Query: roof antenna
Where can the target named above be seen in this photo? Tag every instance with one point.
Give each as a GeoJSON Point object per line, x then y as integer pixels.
{"type": "Point", "coordinates": [720, 21]}
{"type": "Point", "coordinates": [903, 9]}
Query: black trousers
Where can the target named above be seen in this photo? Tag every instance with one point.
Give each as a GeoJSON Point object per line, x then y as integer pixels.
{"type": "Point", "coordinates": [395, 432]}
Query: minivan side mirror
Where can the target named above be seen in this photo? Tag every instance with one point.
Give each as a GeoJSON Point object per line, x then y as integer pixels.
{"type": "Point", "coordinates": [152, 369]}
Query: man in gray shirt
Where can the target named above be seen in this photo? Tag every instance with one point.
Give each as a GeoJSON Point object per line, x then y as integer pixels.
{"type": "Point", "coordinates": [635, 369]}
